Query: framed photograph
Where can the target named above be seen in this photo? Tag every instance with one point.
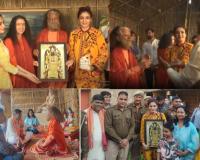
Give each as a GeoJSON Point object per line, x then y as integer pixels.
{"type": "Point", "coordinates": [52, 58]}
{"type": "Point", "coordinates": [153, 132]}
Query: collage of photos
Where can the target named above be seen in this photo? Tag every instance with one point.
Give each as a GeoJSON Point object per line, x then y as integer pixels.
{"type": "Point", "coordinates": [99, 80]}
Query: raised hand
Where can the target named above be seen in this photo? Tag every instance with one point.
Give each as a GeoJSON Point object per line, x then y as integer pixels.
{"type": "Point", "coordinates": [36, 52]}
{"type": "Point", "coordinates": [146, 61]}
{"type": "Point", "coordinates": [69, 63]}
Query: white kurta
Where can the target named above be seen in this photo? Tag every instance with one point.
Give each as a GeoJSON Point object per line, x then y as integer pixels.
{"type": "Point", "coordinates": [97, 152]}
{"type": "Point", "coordinates": [11, 136]}
{"type": "Point", "coordinates": [150, 48]}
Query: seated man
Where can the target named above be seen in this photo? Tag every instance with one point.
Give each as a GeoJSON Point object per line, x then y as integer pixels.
{"type": "Point", "coordinates": [15, 133]}
{"type": "Point", "coordinates": [190, 75]}
{"type": "Point", "coordinates": [7, 151]}
{"type": "Point", "coordinates": [54, 142]}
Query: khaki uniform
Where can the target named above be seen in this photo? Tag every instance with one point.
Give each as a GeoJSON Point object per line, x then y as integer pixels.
{"type": "Point", "coordinates": [135, 146]}
{"type": "Point", "coordinates": [118, 125]}
{"type": "Point", "coordinates": [84, 136]}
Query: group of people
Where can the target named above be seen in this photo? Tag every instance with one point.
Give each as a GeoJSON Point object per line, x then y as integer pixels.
{"type": "Point", "coordinates": [171, 62]}
{"type": "Point", "coordinates": [119, 131]}
{"type": "Point", "coordinates": [16, 133]}
{"type": "Point", "coordinates": [86, 51]}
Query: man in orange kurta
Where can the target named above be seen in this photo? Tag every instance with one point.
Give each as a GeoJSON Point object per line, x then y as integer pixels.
{"type": "Point", "coordinates": [125, 71]}
{"type": "Point", "coordinates": [52, 32]}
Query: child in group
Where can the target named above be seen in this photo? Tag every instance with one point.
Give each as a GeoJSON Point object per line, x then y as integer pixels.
{"type": "Point", "coordinates": [54, 142]}
{"type": "Point", "coordinates": [167, 146]}
{"type": "Point", "coordinates": [15, 133]}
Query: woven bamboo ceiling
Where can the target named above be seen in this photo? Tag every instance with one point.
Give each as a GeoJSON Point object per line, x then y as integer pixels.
{"type": "Point", "coordinates": [140, 10]}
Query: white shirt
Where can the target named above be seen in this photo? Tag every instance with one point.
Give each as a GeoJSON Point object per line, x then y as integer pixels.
{"type": "Point", "coordinates": [151, 48]}
{"type": "Point", "coordinates": [191, 72]}
{"type": "Point", "coordinates": [97, 152]}
{"type": "Point", "coordinates": [11, 135]}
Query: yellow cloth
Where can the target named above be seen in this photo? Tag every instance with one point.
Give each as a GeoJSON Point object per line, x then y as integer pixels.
{"type": "Point", "coordinates": [181, 53]}
{"type": "Point", "coordinates": [149, 116]}
{"type": "Point", "coordinates": [150, 153]}
{"type": "Point", "coordinates": [5, 67]}
{"type": "Point", "coordinates": [90, 44]}
{"type": "Point", "coordinates": [197, 156]}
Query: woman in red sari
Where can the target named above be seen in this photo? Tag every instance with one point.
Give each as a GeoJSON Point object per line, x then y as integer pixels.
{"type": "Point", "coordinates": [54, 142]}
{"type": "Point", "coordinates": [18, 41]}
{"type": "Point", "coordinates": [166, 42]}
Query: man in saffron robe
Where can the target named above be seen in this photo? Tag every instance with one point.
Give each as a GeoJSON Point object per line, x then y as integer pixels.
{"type": "Point", "coordinates": [125, 71]}
{"type": "Point", "coordinates": [54, 142]}
{"type": "Point", "coordinates": [52, 32]}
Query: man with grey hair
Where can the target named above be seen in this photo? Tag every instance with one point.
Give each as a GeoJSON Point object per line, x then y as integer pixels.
{"type": "Point", "coordinates": [52, 32]}
{"type": "Point", "coordinates": [125, 71]}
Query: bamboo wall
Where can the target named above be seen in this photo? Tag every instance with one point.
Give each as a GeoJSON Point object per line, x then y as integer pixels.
{"type": "Point", "coordinates": [68, 8]}
{"type": "Point", "coordinates": [162, 22]}
{"type": "Point", "coordinates": [25, 99]}
{"type": "Point", "coordinates": [5, 101]}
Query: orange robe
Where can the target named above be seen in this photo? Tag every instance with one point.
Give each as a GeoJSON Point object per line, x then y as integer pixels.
{"type": "Point", "coordinates": [119, 77]}
{"type": "Point", "coordinates": [19, 127]}
{"type": "Point", "coordinates": [58, 143]}
{"type": "Point", "coordinates": [161, 77]}
{"type": "Point", "coordinates": [47, 36]}
{"type": "Point", "coordinates": [21, 54]}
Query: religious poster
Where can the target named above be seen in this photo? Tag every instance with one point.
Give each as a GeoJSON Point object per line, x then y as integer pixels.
{"type": "Point", "coordinates": [52, 60]}
{"type": "Point", "coordinates": [153, 132]}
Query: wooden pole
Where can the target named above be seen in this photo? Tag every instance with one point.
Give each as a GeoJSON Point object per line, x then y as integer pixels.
{"type": "Point", "coordinates": [186, 14]}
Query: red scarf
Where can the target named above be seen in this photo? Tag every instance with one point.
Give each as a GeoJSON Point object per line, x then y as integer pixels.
{"type": "Point", "coordinates": [18, 127]}
{"type": "Point", "coordinates": [21, 54]}
{"type": "Point", "coordinates": [90, 122]}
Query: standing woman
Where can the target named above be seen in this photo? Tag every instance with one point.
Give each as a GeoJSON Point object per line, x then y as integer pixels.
{"type": "Point", "coordinates": [7, 68]}
{"type": "Point", "coordinates": [18, 41]}
{"type": "Point", "coordinates": [165, 44]}
{"type": "Point", "coordinates": [152, 114]}
{"type": "Point", "coordinates": [186, 135]}
{"type": "Point", "coordinates": [180, 53]}
{"type": "Point", "coordinates": [88, 52]}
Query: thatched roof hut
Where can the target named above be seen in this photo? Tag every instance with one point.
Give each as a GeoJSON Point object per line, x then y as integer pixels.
{"type": "Point", "coordinates": [25, 99]}
{"type": "Point", "coordinates": [162, 15]}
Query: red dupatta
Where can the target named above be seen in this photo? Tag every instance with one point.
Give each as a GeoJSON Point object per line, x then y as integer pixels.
{"type": "Point", "coordinates": [90, 121]}
{"type": "Point", "coordinates": [21, 54]}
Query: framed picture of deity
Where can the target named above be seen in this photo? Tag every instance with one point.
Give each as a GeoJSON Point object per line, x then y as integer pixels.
{"type": "Point", "coordinates": [52, 58]}
{"type": "Point", "coordinates": [153, 132]}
